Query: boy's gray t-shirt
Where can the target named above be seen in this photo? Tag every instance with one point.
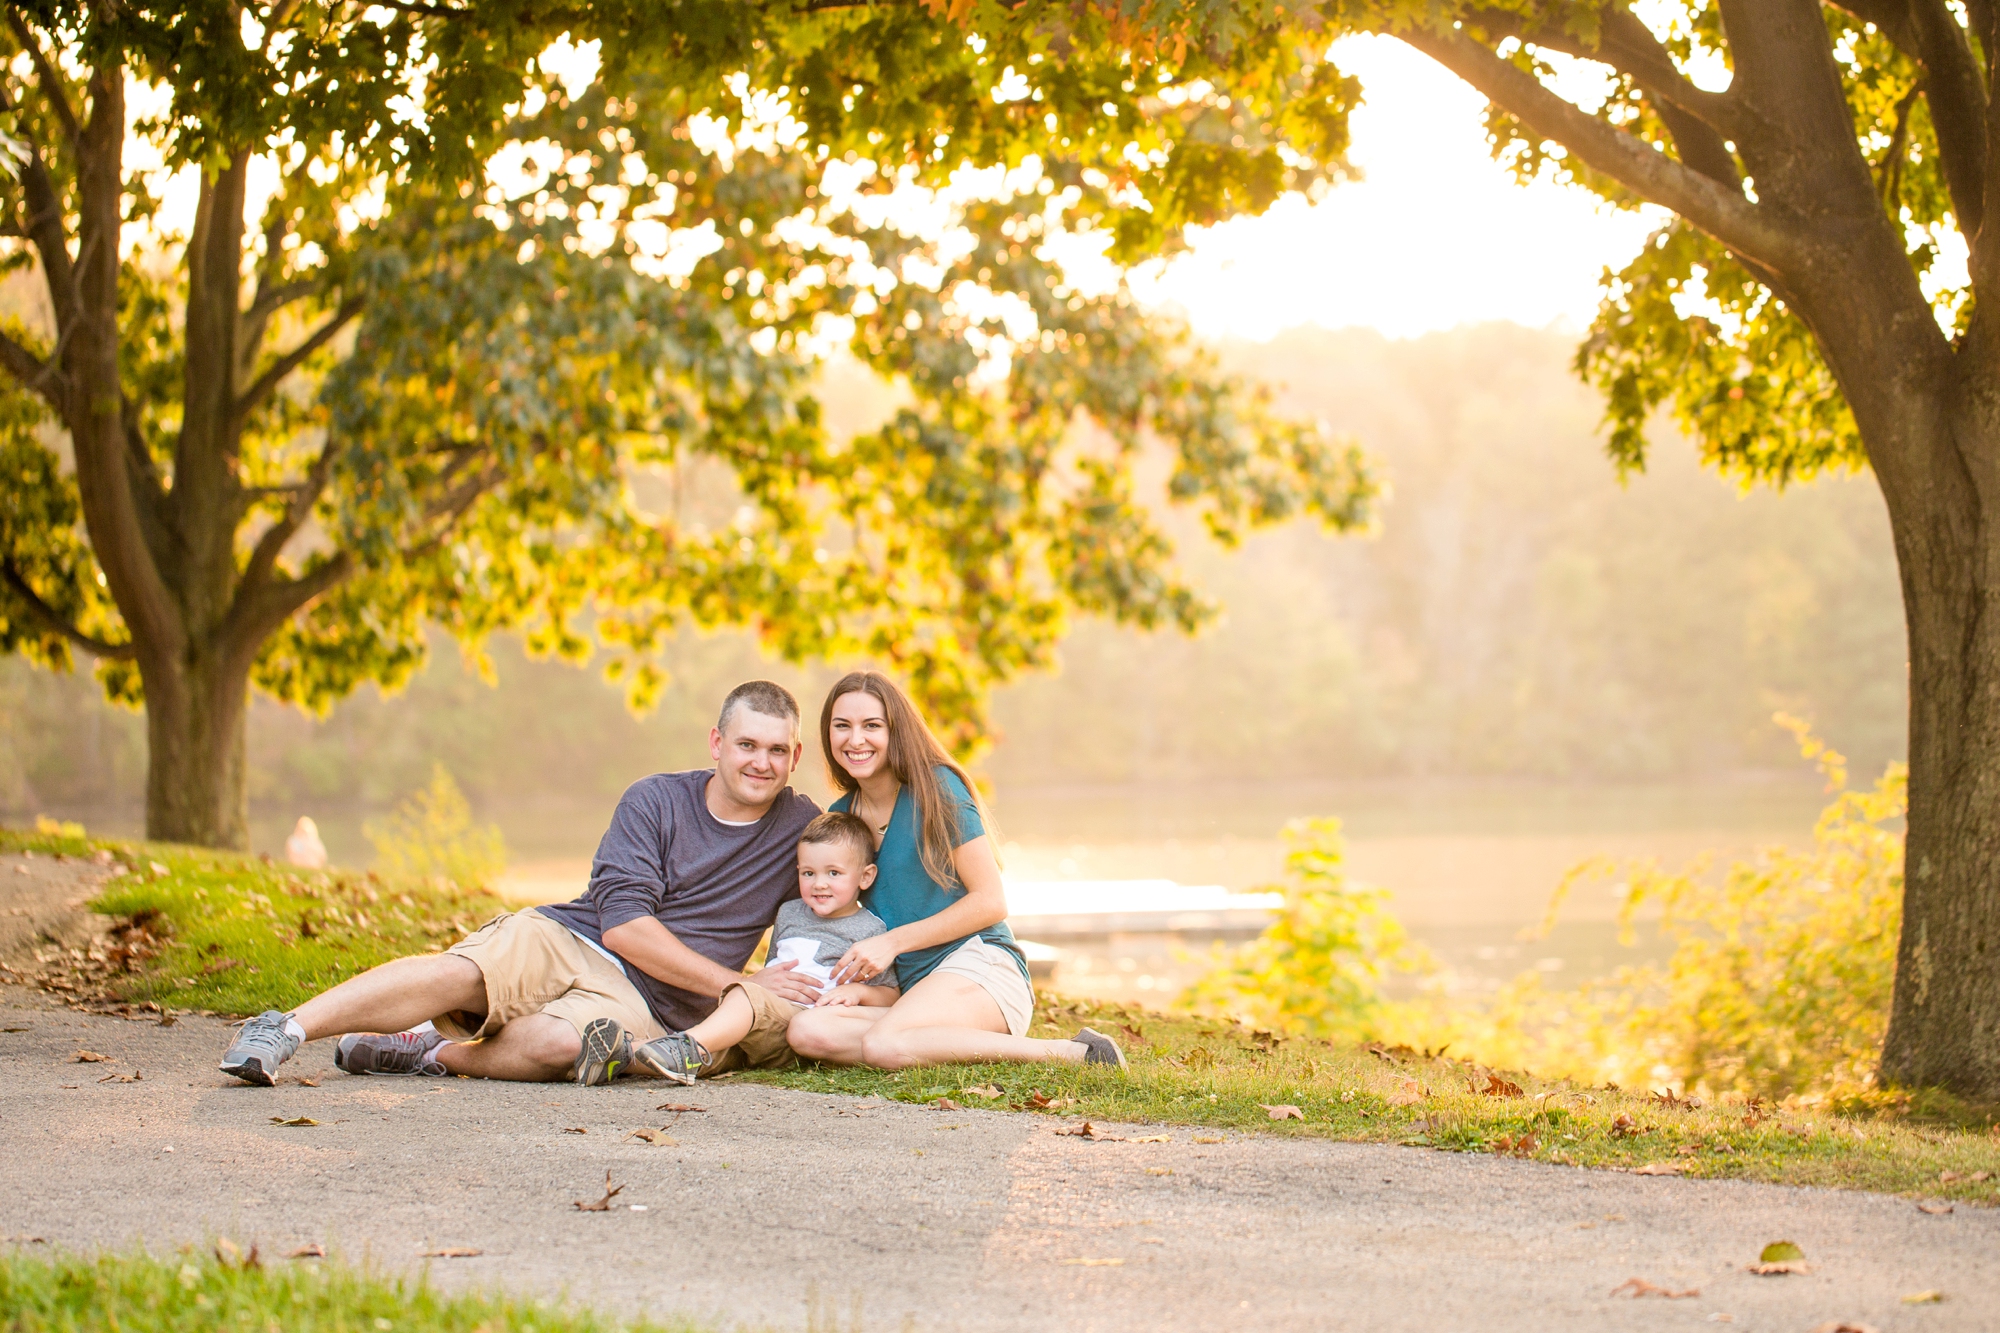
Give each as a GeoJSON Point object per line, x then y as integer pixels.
{"type": "Point", "coordinates": [818, 942]}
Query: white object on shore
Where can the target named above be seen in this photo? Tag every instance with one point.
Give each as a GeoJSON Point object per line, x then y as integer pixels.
{"type": "Point", "coordinates": [304, 848]}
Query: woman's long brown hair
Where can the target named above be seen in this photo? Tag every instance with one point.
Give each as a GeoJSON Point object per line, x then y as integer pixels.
{"type": "Point", "coordinates": [915, 755]}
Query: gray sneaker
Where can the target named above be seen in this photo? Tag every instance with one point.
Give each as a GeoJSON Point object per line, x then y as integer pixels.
{"type": "Point", "coordinates": [1099, 1049]}
{"type": "Point", "coordinates": [261, 1045]}
{"type": "Point", "coordinates": [676, 1057]}
{"type": "Point", "coordinates": [389, 1053]}
{"type": "Point", "coordinates": [606, 1050]}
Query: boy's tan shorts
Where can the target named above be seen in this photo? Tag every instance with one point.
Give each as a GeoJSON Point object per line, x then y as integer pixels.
{"type": "Point", "coordinates": [534, 965]}
{"type": "Point", "coordinates": [764, 1046]}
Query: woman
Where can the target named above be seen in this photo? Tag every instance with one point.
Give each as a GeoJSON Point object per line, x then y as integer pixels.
{"type": "Point", "coordinates": [966, 997]}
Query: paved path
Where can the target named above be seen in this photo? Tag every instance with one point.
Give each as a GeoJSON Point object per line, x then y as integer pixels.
{"type": "Point", "coordinates": [938, 1220]}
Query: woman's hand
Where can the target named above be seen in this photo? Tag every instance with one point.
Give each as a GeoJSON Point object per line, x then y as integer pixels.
{"type": "Point", "coordinates": [868, 959]}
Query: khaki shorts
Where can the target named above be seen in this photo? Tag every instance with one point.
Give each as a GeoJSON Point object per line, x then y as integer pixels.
{"type": "Point", "coordinates": [998, 973]}
{"type": "Point", "coordinates": [533, 965]}
{"type": "Point", "coordinates": [764, 1046]}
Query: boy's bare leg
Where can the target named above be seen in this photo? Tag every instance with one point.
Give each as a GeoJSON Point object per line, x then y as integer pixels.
{"type": "Point", "coordinates": [730, 1023]}
{"type": "Point", "coordinates": [396, 996]}
{"type": "Point", "coordinates": [539, 1048]}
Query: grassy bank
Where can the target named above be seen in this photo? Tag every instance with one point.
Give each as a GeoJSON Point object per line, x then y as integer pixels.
{"type": "Point", "coordinates": [234, 934]}
{"type": "Point", "coordinates": [137, 1293]}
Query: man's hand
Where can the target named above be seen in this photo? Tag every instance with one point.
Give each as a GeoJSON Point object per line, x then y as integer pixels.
{"type": "Point", "coordinates": [786, 982]}
{"type": "Point", "coordinates": [868, 959]}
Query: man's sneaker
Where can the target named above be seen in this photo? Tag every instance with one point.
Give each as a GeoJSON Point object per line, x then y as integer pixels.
{"type": "Point", "coordinates": [389, 1053]}
{"type": "Point", "coordinates": [606, 1050]}
{"type": "Point", "coordinates": [1099, 1049]}
{"type": "Point", "coordinates": [261, 1045]}
{"type": "Point", "coordinates": [676, 1056]}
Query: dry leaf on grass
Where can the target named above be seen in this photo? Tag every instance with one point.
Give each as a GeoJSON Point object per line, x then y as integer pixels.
{"type": "Point", "coordinates": [678, 1107]}
{"type": "Point", "coordinates": [1490, 1084]}
{"type": "Point", "coordinates": [308, 1252]}
{"type": "Point", "coordinates": [1283, 1112]}
{"type": "Point", "coordinates": [221, 965]}
{"type": "Point", "coordinates": [1635, 1287]}
{"type": "Point", "coordinates": [1625, 1127]}
{"type": "Point", "coordinates": [986, 1090]}
{"type": "Point", "coordinates": [1662, 1168]}
{"type": "Point", "coordinates": [1923, 1298]}
{"type": "Point", "coordinates": [659, 1138]}
{"type": "Point", "coordinates": [1209, 1138]}
{"type": "Point", "coordinates": [1041, 1101]}
{"type": "Point", "coordinates": [1934, 1209]}
{"type": "Point", "coordinates": [603, 1205]}
{"type": "Point", "coordinates": [1090, 1263]}
{"type": "Point", "coordinates": [1132, 1034]}
{"type": "Point", "coordinates": [296, 1122]}
{"type": "Point", "coordinates": [575, 1129]}
{"type": "Point", "coordinates": [946, 1104]}
{"type": "Point", "coordinates": [451, 1252]}
{"type": "Point", "coordinates": [1524, 1146]}
{"type": "Point", "coordinates": [89, 1058]}
{"type": "Point", "coordinates": [1408, 1092]}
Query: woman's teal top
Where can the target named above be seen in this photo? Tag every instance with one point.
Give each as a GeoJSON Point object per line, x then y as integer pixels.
{"type": "Point", "coordinates": [904, 891]}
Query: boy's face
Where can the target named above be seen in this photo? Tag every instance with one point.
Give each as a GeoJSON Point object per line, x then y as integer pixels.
{"type": "Point", "coordinates": [832, 876]}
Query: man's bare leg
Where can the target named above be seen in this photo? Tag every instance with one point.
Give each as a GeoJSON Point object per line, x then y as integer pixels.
{"type": "Point", "coordinates": [540, 1048]}
{"type": "Point", "coordinates": [397, 995]}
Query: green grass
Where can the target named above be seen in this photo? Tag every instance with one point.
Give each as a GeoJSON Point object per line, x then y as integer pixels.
{"type": "Point", "coordinates": [136, 1293]}
{"type": "Point", "coordinates": [235, 934]}
{"type": "Point", "coordinates": [231, 935]}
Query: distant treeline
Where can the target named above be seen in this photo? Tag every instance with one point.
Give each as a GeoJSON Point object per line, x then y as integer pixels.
{"type": "Point", "coordinates": [1521, 613]}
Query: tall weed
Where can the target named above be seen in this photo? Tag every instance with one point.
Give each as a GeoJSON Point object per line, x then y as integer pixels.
{"type": "Point", "coordinates": [431, 835]}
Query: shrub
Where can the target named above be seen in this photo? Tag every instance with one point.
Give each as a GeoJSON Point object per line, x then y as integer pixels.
{"type": "Point", "coordinates": [432, 835]}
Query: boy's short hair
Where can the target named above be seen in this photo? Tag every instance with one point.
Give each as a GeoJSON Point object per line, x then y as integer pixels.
{"type": "Point", "coordinates": [760, 696]}
{"type": "Point", "coordinates": [838, 826]}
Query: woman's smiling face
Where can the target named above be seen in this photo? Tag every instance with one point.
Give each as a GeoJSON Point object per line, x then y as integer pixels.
{"type": "Point", "coordinates": [859, 735]}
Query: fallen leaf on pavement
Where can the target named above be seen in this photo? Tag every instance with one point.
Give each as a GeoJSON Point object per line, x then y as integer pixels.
{"type": "Point", "coordinates": [1091, 1263]}
{"type": "Point", "coordinates": [1934, 1209]}
{"type": "Point", "coordinates": [946, 1104]}
{"type": "Point", "coordinates": [659, 1138]}
{"type": "Point", "coordinates": [134, 1077]}
{"type": "Point", "coordinates": [1283, 1112]}
{"type": "Point", "coordinates": [1635, 1287]}
{"type": "Point", "coordinates": [89, 1058]}
{"type": "Point", "coordinates": [576, 1129]}
{"type": "Point", "coordinates": [1152, 1138]}
{"type": "Point", "coordinates": [308, 1252]}
{"type": "Point", "coordinates": [1923, 1298]}
{"type": "Point", "coordinates": [986, 1090]}
{"type": "Point", "coordinates": [1159, 1171]}
{"type": "Point", "coordinates": [678, 1107]}
{"type": "Point", "coordinates": [1209, 1138]}
{"type": "Point", "coordinates": [603, 1205]}
{"type": "Point", "coordinates": [295, 1122]}
{"type": "Point", "coordinates": [1844, 1326]}
{"type": "Point", "coordinates": [1779, 1257]}
{"type": "Point", "coordinates": [305, 1082]}
{"type": "Point", "coordinates": [1086, 1130]}
{"type": "Point", "coordinates": [1662, 1168]}
{"type": "Point", "coordinates": [451, 1252]}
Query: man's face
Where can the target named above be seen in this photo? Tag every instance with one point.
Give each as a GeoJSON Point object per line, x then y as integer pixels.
{"type": "Point", "coordinates": [832, 876]}
{"type": "Point", "coordinates": [754, 757]}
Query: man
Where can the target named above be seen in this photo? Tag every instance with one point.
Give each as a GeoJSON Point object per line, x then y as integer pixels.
{"type": "Point", "coordinates": [686, 880]}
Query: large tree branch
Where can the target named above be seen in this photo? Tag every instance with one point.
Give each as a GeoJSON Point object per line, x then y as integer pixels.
{"type": "Point", "coordinates": [46, 230]}
{"type": "Point", "coordinates": [264, 556]}
{"type": "Point", "coordinates": [46, 76]}
{"type": "Point", "coordinates": [1955, 89]}
{"type": "Point", "coordinates": [268, 382]}
{"type": "Point", "coordinates": [1721, 212]}
{"type": "Point", "coordinates": [42, 377]}
{"type": "Point", "coordinates": [254, 618]}
{"type": "Point", "coordinates": [55, 620]}
{"type": "Point", "coordinates": [1629, 46]}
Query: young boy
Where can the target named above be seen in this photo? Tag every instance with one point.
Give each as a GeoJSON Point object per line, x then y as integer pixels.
{"type": "Point", "coordinates": [836, 862]}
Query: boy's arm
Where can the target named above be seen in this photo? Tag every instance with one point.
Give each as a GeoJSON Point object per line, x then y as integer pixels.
{"type": "Point", "coordinates": [862, 993]}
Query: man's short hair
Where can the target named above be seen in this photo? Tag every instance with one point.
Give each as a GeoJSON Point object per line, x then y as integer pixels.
{"type": "Point", "coordinates": [838, 826]}
{"type": "Point", "coordinates": [760, 696]}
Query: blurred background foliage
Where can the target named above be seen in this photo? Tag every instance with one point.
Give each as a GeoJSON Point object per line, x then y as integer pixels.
{"type": "Point", "coordinates": [1521, 614]}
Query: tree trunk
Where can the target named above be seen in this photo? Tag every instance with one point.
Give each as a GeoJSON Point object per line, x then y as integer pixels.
{"type": "Point", "coordinates": [196, 779]}
{"type": "Point", "coordinates": [1944, 1028]}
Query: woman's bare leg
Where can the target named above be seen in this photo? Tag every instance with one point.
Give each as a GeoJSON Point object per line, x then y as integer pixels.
{"type": "Point", "coordinates": [396, 996]}
{"type": "Point", "coordinates": [943, 1019]}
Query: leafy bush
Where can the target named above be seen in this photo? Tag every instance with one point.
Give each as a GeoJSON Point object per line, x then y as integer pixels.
{"type": "Point", "coordinates": [432, 835]}
{"type": "Point", "coordinates": [1318, 967]}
